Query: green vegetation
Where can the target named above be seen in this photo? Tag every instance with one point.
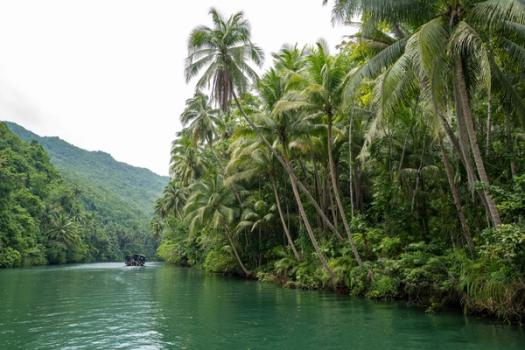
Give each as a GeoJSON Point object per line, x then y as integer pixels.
{"type": "Point", "coordinates": [136, 187]}
{"type": "Point", "coordinates": [46, 218]}
{"type": "Point", "coordinates": [392, 169]}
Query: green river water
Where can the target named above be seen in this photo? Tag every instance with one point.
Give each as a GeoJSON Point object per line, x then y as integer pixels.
{"type": "Point", "coordinates": [108, 306]}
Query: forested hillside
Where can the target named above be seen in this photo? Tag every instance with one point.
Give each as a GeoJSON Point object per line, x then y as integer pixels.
{"type": "Point", "coordinates": [392, 168]}
{"type": "Point", "coordinates": [50, 218]}
{"type": "Point", "coordinates": [137, 187]}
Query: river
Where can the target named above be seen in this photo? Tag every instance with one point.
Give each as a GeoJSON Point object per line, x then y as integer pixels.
{"type": "Point", "coordinates": [108, 306]}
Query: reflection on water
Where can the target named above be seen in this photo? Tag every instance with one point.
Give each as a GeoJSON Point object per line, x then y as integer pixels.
{"type": "Point", "coordinates": [108, 306]}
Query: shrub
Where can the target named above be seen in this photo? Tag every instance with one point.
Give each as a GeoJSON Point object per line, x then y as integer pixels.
{"type": "Point", "coordinates": [307, 275]}
{"type": "Point", "coordinates": [219, 260]}
{"type": "Point", "coordinates": [9, 257]}
{"type": "Point", "coordinates": [359, 277]}
{"type": "Point", "coordinates": [383, 287]}
{"type": "Point", "coordinates": [506, 243]}
{"type": "Point", "coordinates": [495, 283]}
{"type": "Point", "coordinates": [426, 278]}
{"type": "Point", "coordinates": [170, 252]}
{"type": "Point", "coordinates": [389, 247]}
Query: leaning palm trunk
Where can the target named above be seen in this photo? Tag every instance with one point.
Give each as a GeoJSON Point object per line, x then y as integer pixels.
{"type": "Point", "coordinates": [309, 230]}
{"type": "Point", "coordinates": [456, 197]}
{"type": "Point", "coordinates": [288, 170]}
{"type": "Point", "coordinates": [331, 166]}
{"type": "Point", "coordinates": [471, 178]}
{"type": "Point", "coordinates": [281, 216]}
{"type": "Point", "coordinates": [469, 124]}
{"type": "Point", "coordinates": [463, 141]}
{"type": "Point", "coordinates": [246, 272]}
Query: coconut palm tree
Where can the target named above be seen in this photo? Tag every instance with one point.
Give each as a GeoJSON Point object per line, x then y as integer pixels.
{"type": "Point", "coordinates": [211, 205]}
{"type": "Point", "coordinates": [200, 119]}
{"type": "Point", "coordinates": [321, 98]}
{"type": "Point", "coordinates": [186, 158]}
{"type": "Point", "coordinates": [290, 128]}
{"type": "Point", "coordinates": [63, 230]}
{"type": "Point", "coordinates": [215, 49]}
{"type": "Point", "coordinates": [172, 200]}
{"type": "Point", "coordinates": [466, 29]}
{"type": "Point", "coordinates": [257, 214]}
{"type": "Point", "coordinates": [250, 159]}
{"type": "Point", "coordinates": [223, 52]}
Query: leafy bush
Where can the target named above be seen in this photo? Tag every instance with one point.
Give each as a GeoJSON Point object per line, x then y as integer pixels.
{"type": "Point", "coordinates": [9, 257]}
{"type": "Point", "coordinates": [34, 256]}
{"type": "Point", "coordinates": [390, 247]}
{"type": "Point", "coordinates": [359, 279]}
{"type": "Point", "coordinates": [170, 252]}
{"type": "Point", "coordinates": [219, 260]}
{"type": "Point", "coordinates": [506, 243]}
{"type": "Point", "coordinates": [426, 277]}
{"type": "Point", "coordinates": [383, 287]}
{"type": "Point", "coordinates": [495, 282]}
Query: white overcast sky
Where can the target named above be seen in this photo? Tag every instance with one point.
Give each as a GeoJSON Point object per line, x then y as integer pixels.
{"type": "Point", "coordinates": [108, 74]}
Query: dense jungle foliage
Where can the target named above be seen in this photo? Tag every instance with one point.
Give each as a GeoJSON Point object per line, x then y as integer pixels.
{"type": "Point", "coordinates": [393, 168]}
{"type": "Point", "coordinates": [45, 219]}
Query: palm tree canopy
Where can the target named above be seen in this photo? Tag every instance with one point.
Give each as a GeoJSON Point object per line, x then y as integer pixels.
{"type": "Point", "coordinates": [223, 53]}
{"type": "Point", "coordinates": [200, 119]}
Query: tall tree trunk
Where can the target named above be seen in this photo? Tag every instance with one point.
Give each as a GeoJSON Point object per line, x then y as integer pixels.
{"type": "Point", "coordinates": [418, 179]}
{"type": "Point", "coordinates": [320, 222]}
{"type": "Point", "coordinates": [350, 164]}
{"type": "Point", "coordinates": [463, 141]}
{"type": "Point", "coordinates": [510, 144]}
{"type": "Point", "coordinates": [287, 168]}
{"type": "Point", "coordinates": [461, 150]}
{"type": "Point", "coordinates": [456, 197]}
{"type": "Point", "coordinates": [469, 123]}
{"type": "Point", "coordinates": [281, 216]}
{"type": "Point", "coordinates": [489, 124]}
{"type": "Point", "coordinates": [467, 164]}
{"type": "Point", "coordinates": [401, 160]}
{"type": "Point", "coordinates": [332, 208]}
{"type": "Point", "coordinates": [246, 272]}
{"type": "Point", "coordinates": [336, 193]}
{"type": "Point", "coordinates": [358, 190]}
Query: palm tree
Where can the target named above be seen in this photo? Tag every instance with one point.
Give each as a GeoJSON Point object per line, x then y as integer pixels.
{"type": "Point", "coordinates": [256, 215]}
{"type": "Point", "coordinates": [223, 53]}
{"type": "Point", "coordinates": [250, 159]}
{"type": "Point", "coordinates": [202, 119]}
{"type": "Point", "coordinates": [291, 129]}
{"type": "Point", "coordinates": [63, 230]}
{"type": "Point", "coordinates": [172, 200]}
{"type": "Point", "coordinates": [321, 97]}
{"type": "Point", "coordinates": [186, 159]}
{"type": "Point", "coordinates": [225, 50]}
{"type": "Point", "coordinates": [211, 204]}
{"type": "Point", "coordinates": [462, 27]}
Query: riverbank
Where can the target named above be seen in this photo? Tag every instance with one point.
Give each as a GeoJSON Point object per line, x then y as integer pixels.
{"type": "Point", "coordinates": [418, 274]}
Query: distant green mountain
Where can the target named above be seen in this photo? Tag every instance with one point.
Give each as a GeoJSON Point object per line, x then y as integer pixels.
{"type": "Point", "coordinates": [108, 185]}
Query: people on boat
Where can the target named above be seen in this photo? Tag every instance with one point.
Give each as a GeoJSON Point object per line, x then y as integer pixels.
{"type": "Point", "coordinates": [135, 260]}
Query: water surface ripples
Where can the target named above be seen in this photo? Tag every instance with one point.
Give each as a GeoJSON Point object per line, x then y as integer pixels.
{"type": "Point", "coordinates": [108, 306]}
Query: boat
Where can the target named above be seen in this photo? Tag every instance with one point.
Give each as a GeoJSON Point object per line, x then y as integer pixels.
{"type": "Point", "coordinates": [135, 260]}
